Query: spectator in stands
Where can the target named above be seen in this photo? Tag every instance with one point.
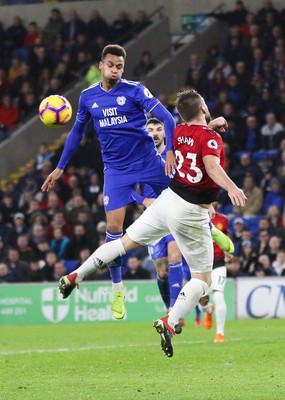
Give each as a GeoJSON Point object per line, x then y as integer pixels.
{"type": "Point", "coordinates": [140, 22]}
{"type": "Point", "coordinates": [78, 241]}
{"type": "Point", "coordinates": [33, 35]}
{"type": "Point", "coordinates": [254, 198]}
{"type": "Point", "coordinates": [135, 269]}
{"type": "Point", "coordinates": [35, 272]}
{"type": "Point", "coordinates": [234, 269]}
{"type": "Point", "coordinates": [5, 230]}
{"type": "Point", "coordinates": [62, 73]}
{"type": "Point", "coordinates": [252, 134]}
{"type": "Point", "coordinates": [42, 248]}
{"type": "Point", "coordinates": [279, 61]}
{"type": "Point", "coordinates": [145, 65]}
{"type": "Point", "coordinates": [73, 27]}
{"type": "Point", "coordinates": [274, 196]}
{"type": "Point", "coordinates": [83, 217]}
{"type": "Point", "coordinates": [268, 269]}
{"type": "Point", "coordinates": [234, 17]}
{"type": "Point", "coordinates": [16, 266]}
{"type": "Point", "coordinates": [262, 245]}
{"type": "Point", "coordinates": [53, 28]}
{"type": "Point", "coordinates": [6, 275]}
{"type": "Point", "coordinates": [39, 60]}
{"type": "Point", "coordinates": [197, 82]}
{"type": "Point", "coordinates": [274, 217]}
{"type": "Point", "coordinates": [267, 8]}
{"type": "Point", "coordinates": [15, 35]}
{"type": "Point", "coordinates": [58, 221]}
{"type": "Point", "coordinates": [59, 270]}
{"type": "Point", "coordinates": [280, 107]}
{"type": "Point", "coordinates": [59, 242]}
{"type": "Point", "coordinates": [26, 252]}
{"type": "Point", "coordinates": [48, 268]}
{"type": "Point", "coordinates": [275, 243]}
{"type": "Point", "coordinates": [7, 208]}
{"type": "Point", "coordinates": [246, 167]}
{"type": "Point", "coordinates": [77, 205]}
{"type": "Point", "coordinates": [223, 66]}
{"type": "Point", "coordinates": [18, 228]}
{"type": "Point", "coordinates": [93, 75]}
{"type": "Point", "coordinates": [98, 209]}
{"type": "Point", "coordinates": [97, 26]}
{"type": "Point", "coordinates": [9, 116]}
{"type": "Point", "coordinates": [4, 82]}
{"type": "Point", "coordinates": [279, 263]}
{"type": "Point", "coordinates": [43, 155]}
{"type": "Point", "coordinates": [121, 27]}
{"type": "Point", "coordinates": [37, 234]}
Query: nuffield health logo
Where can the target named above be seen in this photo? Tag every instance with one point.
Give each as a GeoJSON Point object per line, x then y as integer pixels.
{"type": "Point", "coordinates": [54, 308]}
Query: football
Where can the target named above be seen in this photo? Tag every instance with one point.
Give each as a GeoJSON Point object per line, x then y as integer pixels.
{"type": "Point", "coordinates": [55, 111]}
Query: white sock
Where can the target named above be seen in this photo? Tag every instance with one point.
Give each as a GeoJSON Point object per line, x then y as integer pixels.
{"type": "Point", "coordinates": [221, 311]}
{"type": "Point", "coordinates": [187, 300]}
{"type": "Point", "coordinates": [102, 256]}
{"type": "Point", "coordinates": [206, 308]}
{"type": "Point", "coordinates": [117, 287]}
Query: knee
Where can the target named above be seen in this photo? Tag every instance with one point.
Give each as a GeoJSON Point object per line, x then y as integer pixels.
{"type": "Point", "coordinates": [204, 300]}
{"type": "Point", "coordinates": [162, 271]}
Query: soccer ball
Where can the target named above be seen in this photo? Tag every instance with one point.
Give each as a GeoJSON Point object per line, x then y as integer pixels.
{"type": "Point", "coordinates": [55, 111]}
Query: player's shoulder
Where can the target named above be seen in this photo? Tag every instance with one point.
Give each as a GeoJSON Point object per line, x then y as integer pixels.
{"type": "Point", "coordinates": [91, 89]}
{"type": "Point", "coordinates": [128, 83]}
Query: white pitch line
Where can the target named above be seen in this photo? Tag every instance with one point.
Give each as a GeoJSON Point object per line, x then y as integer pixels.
{"type": "Point", "coordinates": [109, 347]}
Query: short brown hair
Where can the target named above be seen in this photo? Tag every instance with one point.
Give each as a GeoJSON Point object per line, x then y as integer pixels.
{"type": "Point", "coordinates": [115, 50]}
{"type": "Point", "coordinates": [188, 104]}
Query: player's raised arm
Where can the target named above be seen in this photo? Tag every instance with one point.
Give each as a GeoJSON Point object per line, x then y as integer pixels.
{"type": "Point", "coordinates": [220, 177]}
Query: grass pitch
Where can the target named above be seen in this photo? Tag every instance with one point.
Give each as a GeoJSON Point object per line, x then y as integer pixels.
{"type": "Point", "coordinates": [123, 361]}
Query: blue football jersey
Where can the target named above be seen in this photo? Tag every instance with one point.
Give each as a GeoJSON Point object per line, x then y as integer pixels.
{"type": "Point", "coordinates": [119, 117]}
{"type": "Point", "coordinates": [147, 190]}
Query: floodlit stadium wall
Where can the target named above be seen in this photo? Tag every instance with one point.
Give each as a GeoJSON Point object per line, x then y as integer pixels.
{"type": "Point", "coordinates": [42, 304]}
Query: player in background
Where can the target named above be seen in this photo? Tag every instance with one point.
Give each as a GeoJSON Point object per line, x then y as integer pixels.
{"type": "Point", "coordinates": [219, 277]}
{"type": "Point", "coordinates": [118, 109]}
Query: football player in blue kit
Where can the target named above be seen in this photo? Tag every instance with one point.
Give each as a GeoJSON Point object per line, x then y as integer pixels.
{"type": "Point", "coordinates": [118, 109]}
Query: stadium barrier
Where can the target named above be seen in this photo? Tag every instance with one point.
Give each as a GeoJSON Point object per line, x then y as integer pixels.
{"type": "Point", "coordinates": [42, 304]}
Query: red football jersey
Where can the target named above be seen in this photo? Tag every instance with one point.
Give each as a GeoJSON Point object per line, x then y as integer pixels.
{"type": "Point", "coordinates": [191, 144]}
{"type": "Point", "coordinates": [221, 222]}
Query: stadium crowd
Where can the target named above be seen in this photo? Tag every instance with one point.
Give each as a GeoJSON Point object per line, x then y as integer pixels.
{"type": "Point", "coordinates": [45, 235]}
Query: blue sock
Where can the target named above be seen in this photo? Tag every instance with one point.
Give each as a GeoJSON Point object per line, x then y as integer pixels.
{"type": "Point", "coordinates": [198, 312]}
{"type": "Point", "coordinates": [186, 270]}
{"type": "Point", "coordinates": [163, 287]}
{"type": "Point", "coordinates": [115, 267]}
{"type": "Point", "coordinates": [175, 277]}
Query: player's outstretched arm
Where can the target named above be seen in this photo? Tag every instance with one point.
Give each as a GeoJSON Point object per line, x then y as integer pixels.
{"type": "Point", "coordinates": [220, 177]}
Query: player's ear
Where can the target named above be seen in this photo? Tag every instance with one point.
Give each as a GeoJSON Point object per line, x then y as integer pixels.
{"type": "Point", "coordinates": [100, 65]}
{"type": "Point", "coordinates": [203, 109]}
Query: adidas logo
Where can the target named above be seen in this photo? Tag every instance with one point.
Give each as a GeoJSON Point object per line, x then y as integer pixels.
{"type": "Point", "coordinates": [95, 105]}
{"type": "Point", "coordinates": [182, 296]}
{"type": "Point", "coordinates": [175, 285]}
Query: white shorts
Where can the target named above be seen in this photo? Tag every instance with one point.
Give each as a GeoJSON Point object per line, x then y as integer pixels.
{"type": "Point", "coordinates": [219, 278]}
{"type": "Point", "coordinates": [187, 222]}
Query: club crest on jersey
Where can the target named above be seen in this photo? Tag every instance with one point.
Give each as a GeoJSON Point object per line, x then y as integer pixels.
{"type": "Point", "coordinates": [147, 93]}
{"type": "Point", "coordinates": [121, 100]}
{"type": "Point", "coordinates": [212, 144]}
{"type": "Point", "coordinates": [106, 200]}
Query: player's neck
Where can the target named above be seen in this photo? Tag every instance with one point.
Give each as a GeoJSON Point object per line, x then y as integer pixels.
{"type": "Point", "coordinates": [198, 121]}
{"type": "Point", "coordinates": [109, 84]}
{"type": "Point", "coordinates": [160, 148]}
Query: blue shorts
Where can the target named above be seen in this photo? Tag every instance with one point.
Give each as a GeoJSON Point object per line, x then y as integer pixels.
{"type": "Point", "coordinates": [120, 182]}
{"type": "Point", "coordinates": [159, 249]}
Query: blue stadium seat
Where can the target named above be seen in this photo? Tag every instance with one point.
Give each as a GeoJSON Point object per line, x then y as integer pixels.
{"type": "Point", "coordinates": [70, 265]}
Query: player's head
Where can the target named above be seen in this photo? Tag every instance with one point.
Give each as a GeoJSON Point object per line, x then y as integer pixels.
{"type": "Point", "coordinates": [156, 129]}
{"type": "Point", "coordinates": [112, 63]}
{"type": "Point", "coordinates": [191, 105]}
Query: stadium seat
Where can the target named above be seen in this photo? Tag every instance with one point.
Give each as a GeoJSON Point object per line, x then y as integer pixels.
{"type": "Point", "coordinates": [70, 265]}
